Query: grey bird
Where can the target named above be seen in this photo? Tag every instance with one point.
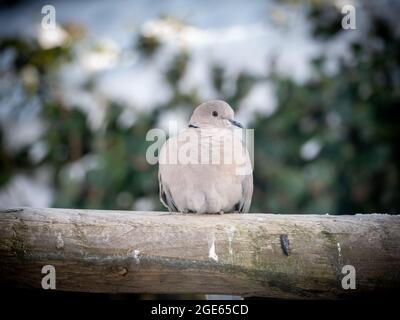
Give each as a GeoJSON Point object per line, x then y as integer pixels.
{"type": "Point", "coordinates": [199, 170]}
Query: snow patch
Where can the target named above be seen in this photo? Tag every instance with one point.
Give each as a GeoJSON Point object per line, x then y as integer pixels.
{"type": "Point", "coordinates": [211, 253]}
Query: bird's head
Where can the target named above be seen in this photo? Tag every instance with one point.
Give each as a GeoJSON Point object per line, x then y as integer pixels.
{"type": "Point", "coordinates": [214, 114]}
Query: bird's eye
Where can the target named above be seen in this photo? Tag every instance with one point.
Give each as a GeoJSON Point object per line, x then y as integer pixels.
{"type": "Point", "coordinates": [215, 114]}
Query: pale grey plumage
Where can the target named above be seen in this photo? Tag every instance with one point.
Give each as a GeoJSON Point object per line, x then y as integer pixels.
{"type": "Point", "coordinates": [195, 186]}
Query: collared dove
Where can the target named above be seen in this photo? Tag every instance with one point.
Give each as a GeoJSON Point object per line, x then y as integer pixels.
{"type": "Point", "coordinates": [199, 170]}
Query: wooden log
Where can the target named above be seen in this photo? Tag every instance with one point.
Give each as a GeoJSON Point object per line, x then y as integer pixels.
{"type": "Point", "coordinates": [278, 256]}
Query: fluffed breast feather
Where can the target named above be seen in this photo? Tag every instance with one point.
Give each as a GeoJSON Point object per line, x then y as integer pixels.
{"type": "Point", "coordinates": [204, 183]}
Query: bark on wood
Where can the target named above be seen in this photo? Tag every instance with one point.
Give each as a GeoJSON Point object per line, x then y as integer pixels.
{"type": "Point", "coordinates": [279, 256]}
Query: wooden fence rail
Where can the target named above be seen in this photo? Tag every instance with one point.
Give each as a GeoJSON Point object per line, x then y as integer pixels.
{"type": "Point", "coordinates": [278, 256]}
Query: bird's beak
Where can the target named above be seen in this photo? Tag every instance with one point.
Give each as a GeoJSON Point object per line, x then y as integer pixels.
{"type": "Point", "coordinates": [235, 123]}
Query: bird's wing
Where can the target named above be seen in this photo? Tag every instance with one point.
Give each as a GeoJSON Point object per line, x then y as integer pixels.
{"type": "Point", "coordinates": [247, 192]}
{"type": "Point", "coordinates": [247, 180]}
{"type": "Point", "coordinates": [165, 196]}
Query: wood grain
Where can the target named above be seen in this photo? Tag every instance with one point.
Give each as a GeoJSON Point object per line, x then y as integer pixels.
{"type": "Point", "coordinates": [278, 256]}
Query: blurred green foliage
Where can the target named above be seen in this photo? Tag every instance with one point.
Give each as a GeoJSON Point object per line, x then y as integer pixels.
{"type": "Point", "coordinates": [352, 116]}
